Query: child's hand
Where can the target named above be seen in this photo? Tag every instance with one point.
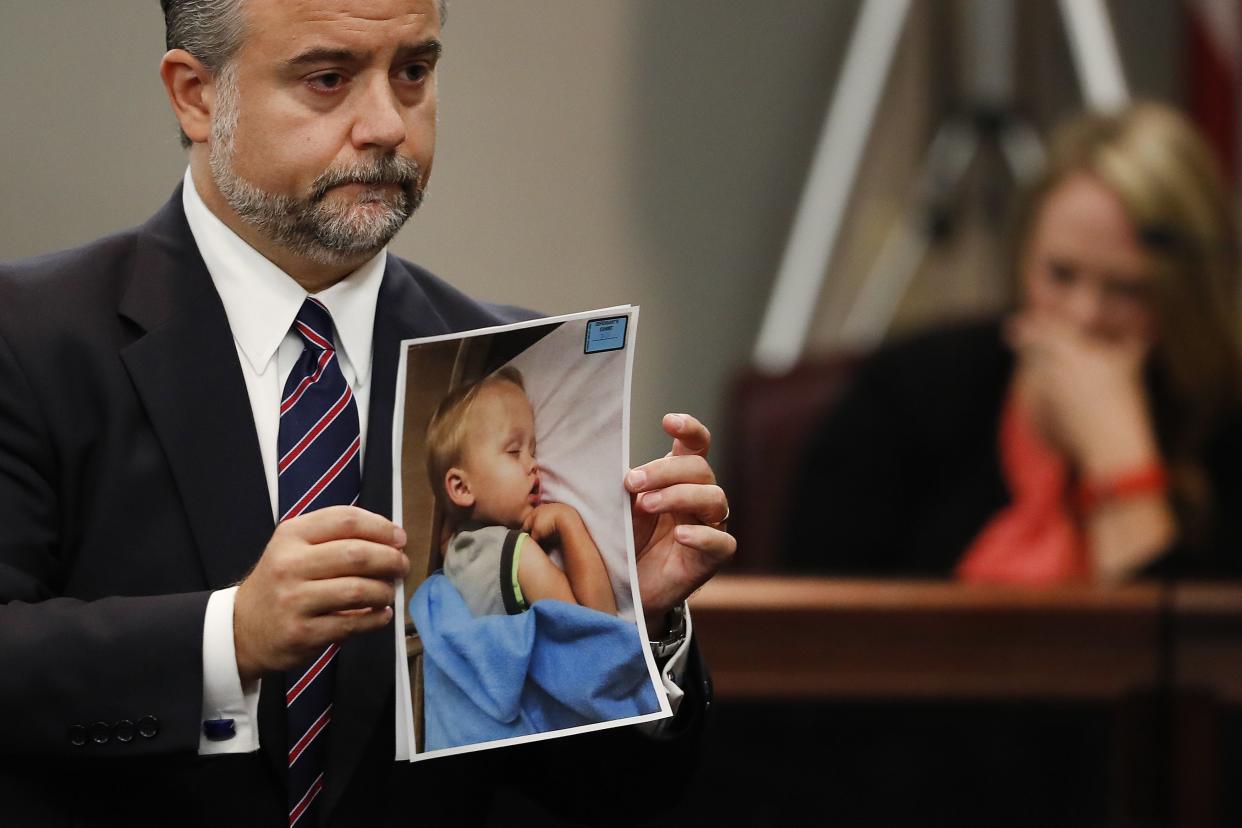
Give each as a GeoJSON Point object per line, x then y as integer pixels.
{"type": "Point", "coordinates": [551, 521]}
{"type": "Point", "coordinates": [583, 574]}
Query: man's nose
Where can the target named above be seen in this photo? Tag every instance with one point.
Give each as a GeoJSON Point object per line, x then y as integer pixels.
{"type": "Point", "coordinates": [380, 121]}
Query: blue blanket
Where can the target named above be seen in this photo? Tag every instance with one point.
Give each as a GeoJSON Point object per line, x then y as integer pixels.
{"type": "Point", "coordinates": [557, 665]}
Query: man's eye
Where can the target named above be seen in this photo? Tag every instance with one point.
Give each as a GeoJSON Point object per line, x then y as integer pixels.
{"type": "Point", "coordinates": [414, 73]}
{"type": "Point", "coordinates": [328, 81]}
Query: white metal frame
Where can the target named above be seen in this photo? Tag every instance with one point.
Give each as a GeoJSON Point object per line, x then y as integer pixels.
{"type": "Point", "coordinates": [838, 156]}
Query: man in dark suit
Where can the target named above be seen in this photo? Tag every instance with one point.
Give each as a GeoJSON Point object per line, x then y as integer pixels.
{"type": "Point", "coordinates": [155, 588]}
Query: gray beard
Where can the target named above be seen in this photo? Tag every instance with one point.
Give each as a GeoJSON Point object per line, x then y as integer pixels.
{"type": "Point", "coordinates": [310, 226]}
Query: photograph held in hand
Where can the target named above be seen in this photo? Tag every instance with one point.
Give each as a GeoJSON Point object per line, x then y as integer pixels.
{"type": "Point", "coordinates": [522, 618]}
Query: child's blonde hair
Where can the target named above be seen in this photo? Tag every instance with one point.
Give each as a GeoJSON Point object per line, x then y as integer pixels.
{"type": "Point", "coordinates": [446, 435]}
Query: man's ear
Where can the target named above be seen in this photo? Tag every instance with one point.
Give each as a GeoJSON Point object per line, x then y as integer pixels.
{"type": "Point", "coordinates": [187, 81]}
{"type": "Point", "coordinates": [458, 488]}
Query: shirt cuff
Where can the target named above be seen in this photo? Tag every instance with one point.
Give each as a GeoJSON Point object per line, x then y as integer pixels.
{"type": "Point", "coordinates": [672, 676]}
{"type": "Point", "coordinates": [224, 697]}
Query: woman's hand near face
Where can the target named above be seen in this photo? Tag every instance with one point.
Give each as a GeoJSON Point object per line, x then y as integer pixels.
{"type": "Point", "coordinates": [1086, 394]}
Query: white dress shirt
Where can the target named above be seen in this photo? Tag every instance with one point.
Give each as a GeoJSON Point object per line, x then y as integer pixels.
{"type": "Point", "coordinates": [261, 302]}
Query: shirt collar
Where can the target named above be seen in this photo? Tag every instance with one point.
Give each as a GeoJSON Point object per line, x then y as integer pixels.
{"type": "Point", "coordinates": [261, 300]}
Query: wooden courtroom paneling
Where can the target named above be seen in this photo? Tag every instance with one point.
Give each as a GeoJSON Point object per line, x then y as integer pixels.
{"type": "Point", "coordinates": [806, 638]}
{"type": "Point", "coordinates": [1207, 635]}
{"type": "Point", "coordinates": [818, 639]}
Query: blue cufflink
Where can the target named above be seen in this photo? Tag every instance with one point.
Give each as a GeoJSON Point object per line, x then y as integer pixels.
{"type": "Point", "coordinates": [219, 730]}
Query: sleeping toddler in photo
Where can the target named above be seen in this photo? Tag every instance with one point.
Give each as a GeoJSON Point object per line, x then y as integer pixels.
{"type": "Point", "coordinates": [481, 461]}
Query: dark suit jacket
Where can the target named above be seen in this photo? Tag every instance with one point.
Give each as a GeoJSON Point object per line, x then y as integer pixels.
{"type": "Point", "coordinates": [905, 471]}
{"type": "Point", "coordinates": [131, 486]}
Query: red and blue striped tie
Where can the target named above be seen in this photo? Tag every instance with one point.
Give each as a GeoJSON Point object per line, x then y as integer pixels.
{"type": "Point", "coordinates": [319, 466]}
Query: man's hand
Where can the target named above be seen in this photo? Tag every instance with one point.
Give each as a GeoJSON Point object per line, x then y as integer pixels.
{"type": "Point", "coordinates": [323, 577]}
{"type": "Point", "coordinates": [679, 512]}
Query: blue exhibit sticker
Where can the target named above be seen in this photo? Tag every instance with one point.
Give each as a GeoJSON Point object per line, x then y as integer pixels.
{"type": "Point", "coordinates": [606, 334]}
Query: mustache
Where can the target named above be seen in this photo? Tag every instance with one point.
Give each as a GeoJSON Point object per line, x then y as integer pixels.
{"type": "Point", "coordinates": [389, 169]}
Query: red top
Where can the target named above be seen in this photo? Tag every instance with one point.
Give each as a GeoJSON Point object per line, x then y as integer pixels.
{"type": "Point", "coordinates": [1036, 539]}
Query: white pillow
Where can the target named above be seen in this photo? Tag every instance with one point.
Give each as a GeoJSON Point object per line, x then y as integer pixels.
{"type": "Point", "coordinates": [578, 399]}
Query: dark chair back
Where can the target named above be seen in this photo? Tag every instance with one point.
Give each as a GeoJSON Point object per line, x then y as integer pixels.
{"type": "Point", "coordinates": [772, 417]}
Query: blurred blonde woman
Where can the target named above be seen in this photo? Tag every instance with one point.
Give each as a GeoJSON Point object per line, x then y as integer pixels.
{"type": "Point", "coordinates": [1093, 433]}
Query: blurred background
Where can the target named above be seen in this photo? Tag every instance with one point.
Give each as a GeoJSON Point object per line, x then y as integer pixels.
{"type": "Point", "coordinates": [590, 154]}
{"type": "Point", "coordinates": [655, 153]}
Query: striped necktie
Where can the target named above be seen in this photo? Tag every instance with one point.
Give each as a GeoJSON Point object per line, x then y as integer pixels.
{"type": "Point", "coordinates": [319, 466]}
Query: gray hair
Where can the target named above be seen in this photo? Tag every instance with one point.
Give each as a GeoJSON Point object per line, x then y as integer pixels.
{"type": "Point", "coordinates": [212, 31]}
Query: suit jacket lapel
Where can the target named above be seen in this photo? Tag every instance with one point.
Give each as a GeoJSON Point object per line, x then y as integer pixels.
{"type": "Point", "coordinates": [402, 312]}
{"type": "Point", "coordinates": [364, 678]}
{"type": "Point", "coordinates": [185, 369]}
{"type": "Point", "coordinates": [186, 372]}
